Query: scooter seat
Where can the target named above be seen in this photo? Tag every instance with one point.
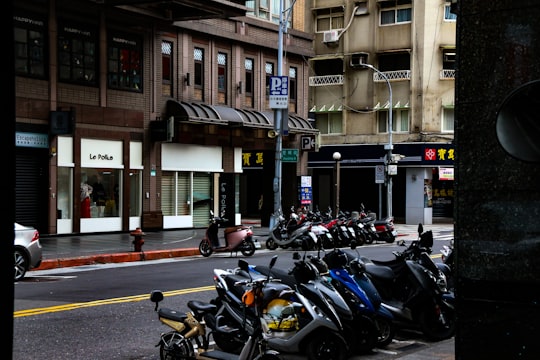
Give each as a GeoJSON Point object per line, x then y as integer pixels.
{"type": "Point", "coordinates": [380, 271]}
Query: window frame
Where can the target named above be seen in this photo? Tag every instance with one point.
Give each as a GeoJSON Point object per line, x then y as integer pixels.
{"type": "Point", "coordinates": [293, 89]}
{"type": "Point", "coordinates": [448, 15]}
{"type": "Point", "coordinates": [397, 118]}
{"type": "Point", "coordinates": [71, 59]}
{"type": "Point", "coordinates": [23, 50]}
{"type": "Point", "coordinates": [222, 74]}
{"type": "Point", "coordinates": [167, 68]}
{"type": "Point", "coordinates": [332, 121]}
{"type": "Point", "coordinates": [397, 7]}
{"type": "Point", "coordinates": [198, 78]}
{"type": "Point", "coordinates": [118, 46]}
{"type": "Point", "coordinates": [249, 87]}
{"type": "Point", "coordinates": [445, 121]}
{"type": "Point", "coordinates": [335, 17]}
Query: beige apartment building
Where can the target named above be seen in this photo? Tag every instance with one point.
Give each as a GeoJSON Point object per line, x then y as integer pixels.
{"type": "Point", "coordinates": [410, 47]}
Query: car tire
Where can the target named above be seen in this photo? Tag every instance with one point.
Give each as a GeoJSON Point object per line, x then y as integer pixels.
{"type": "Point", "coordinates": [21, 265]}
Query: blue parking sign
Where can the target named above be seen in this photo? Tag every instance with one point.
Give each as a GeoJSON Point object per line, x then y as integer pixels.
{"type": "Point", "coordinates": [279, 92]}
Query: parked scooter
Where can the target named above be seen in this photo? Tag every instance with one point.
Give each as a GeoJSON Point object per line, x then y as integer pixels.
{"type": "Point", "coordinates": [386, 231]}
{"type": "Point", "coordinates": [237, 238]}
{"type": "Point", "coordinates": [293, 324]}
{"type": "Point", "coordinates": [190, 328]}
{"type": "Point", "coordinates": [361, 295]}
{"type": "Point", "coordinates": [447, 256]}
{"type": "Point", "coordinates": [291, 233]}
{"type": "Point", "coordinates": [415, 291]}
{"type": "Point", "coordinates": [310, 276]}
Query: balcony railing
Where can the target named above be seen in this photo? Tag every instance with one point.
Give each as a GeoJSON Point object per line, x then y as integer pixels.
{"type": "Point", "coordinates": [448, 74]}
{"type": "Point", "coordinates": [326, 80]}
{"type": "Point", "coordinates": [392, 75]}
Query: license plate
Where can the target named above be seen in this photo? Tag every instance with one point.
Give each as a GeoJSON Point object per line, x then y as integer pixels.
{"type": "Point", "coordinates": [328, 235]}
{"type": "Point", "coordinates": [394, 232]}
{"type": "Point", "coordinates": [257, 244]}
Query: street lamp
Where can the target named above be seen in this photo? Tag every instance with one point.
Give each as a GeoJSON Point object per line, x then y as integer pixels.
{"type": "Point", "coordinates": [337, 157]}
{"type": "Point", "coordinates": [388, 147]}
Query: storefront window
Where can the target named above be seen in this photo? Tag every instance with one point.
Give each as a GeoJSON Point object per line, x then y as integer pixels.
{"type": "Point", "coordinates": [176, 193]}
{"type": "Point", "coordinates": [100, 193]}
{"type": "Point", "coordinates": [135, 204]}
{"type": "Point", "coordinates": [64, 191]}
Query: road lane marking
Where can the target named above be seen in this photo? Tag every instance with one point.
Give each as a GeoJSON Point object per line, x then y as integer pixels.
{"type": "Point", "coordinates": [125, 299]}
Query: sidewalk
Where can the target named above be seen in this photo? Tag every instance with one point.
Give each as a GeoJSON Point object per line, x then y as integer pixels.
{"type": "Point", "coordinates": [86, 249]}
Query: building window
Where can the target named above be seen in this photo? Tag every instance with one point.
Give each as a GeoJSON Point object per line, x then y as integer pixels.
{"type": "Point", "coordinates": [394, 62]}
{"type": "Point", "coordinates": [198, 79]}
{"type": "Point", "coordinates": [77, 55]}
{"type": "Point", "coordinates": [269, 70]}
{"type": "Point", "coordinates": [268, 10]}
{"type": "Point", "coordinates": [448, 15]}
{"type": "Point", "coordinates": [222, 78]}
{"type": "Point", "coordinates": [30, 50]}
{"type": "Point", "coordinates": [250, 82]}
{"type": "Point", "coordinates": [395, 12]}
{"type": "Point", "coordinates": [125, 63]}
{"type": "Point", "coordinates": [449, 59]}
{"type": "Point", "coordinates": [448, 119]}
{"type": "Point", "coordinates": [400, 121]}
{"type": "Point", "coordinates": [176, 193]}
{"type": "Point", "coordinates": [330, 19]}
{"type": "Point", "coordinates": [329, 123]}
{"type": "Point", "coordinates": [166, 68]}
{"type": "Point", "coordinates": [293, 89]}
{"type": "Point", "coordinates": [100, 192]}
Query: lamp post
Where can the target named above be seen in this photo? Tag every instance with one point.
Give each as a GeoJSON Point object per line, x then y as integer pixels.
{"type": "Point", "coordinates": [388, 147]}
{"type": "Point", "coordinates": [337, 157]}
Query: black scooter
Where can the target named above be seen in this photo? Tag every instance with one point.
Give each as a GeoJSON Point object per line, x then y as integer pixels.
{"type": "Point", "coordinates": [414, 289]}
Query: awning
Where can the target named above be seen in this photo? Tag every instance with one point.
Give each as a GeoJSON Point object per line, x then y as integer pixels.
{"type": "Point", "coordinates": [200, 113]}
{"type": "Point", "coordinates": [203, 113]}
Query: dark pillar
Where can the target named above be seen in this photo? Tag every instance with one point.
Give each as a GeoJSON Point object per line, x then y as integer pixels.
{"type": "Point", "coordinates": [497, 229]}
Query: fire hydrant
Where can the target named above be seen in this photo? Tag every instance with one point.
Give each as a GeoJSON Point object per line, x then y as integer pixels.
{"type": "Point", "coordinates": [138, 241]}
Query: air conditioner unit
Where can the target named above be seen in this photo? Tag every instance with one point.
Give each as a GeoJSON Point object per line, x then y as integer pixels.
{"type": "Point", "coordinates": [330, 36]}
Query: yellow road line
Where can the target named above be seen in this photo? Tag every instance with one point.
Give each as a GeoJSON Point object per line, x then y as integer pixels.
{"type": "Point", "coordinates": [134, 298]}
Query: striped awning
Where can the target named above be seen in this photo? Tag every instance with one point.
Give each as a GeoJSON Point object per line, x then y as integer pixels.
{"type": "Point", "coordinates": [201, 113]}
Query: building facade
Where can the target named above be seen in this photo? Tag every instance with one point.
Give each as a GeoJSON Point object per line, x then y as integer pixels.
{"type": "Point", "coordinates": [151, 115]}
{"type": "Point", "coordinates": [409, 47]}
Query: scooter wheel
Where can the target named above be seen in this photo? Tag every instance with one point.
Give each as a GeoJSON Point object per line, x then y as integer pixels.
{"type": "Point", "coordinates": [271, 244]}
{"type": "Point", "coordinates": [327, 346]}
{"type": "Point", "coordinates": [390, 238]}
{"type": "Point", "coordinates": [205, 248]}
{"type": "Point", "coordinates": [247, 248]}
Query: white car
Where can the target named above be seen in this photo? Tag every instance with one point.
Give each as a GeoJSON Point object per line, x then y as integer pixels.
{"type": "Point", "coordinates": [28, 252]}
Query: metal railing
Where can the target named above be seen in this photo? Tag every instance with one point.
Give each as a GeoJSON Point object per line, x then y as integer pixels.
{"type": "Point", "coordinates": [392, 75]}
{"type": "Point", "coordinates": [326, 80]}
{"type": "Point", "coordinates": [448, 74]}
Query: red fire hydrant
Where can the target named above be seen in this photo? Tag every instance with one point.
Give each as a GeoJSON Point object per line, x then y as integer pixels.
{"type": "Point", "coordinates": [138, 241]}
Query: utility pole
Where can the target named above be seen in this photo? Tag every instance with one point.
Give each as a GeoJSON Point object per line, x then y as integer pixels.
{"type": "Point", "coordinates": [388, 147]}
{"type": "Point", "coordinates": [278, 126]}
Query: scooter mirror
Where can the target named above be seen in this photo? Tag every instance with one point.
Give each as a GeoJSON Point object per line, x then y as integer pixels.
{"type": "Point", "coordinates": [243, 265]}
{"type": "Point", "coordinates": [296, 256]}
{"type": "Point", "coordinates": [273, 261]}
{"type": "Point", "coordinates": [353, 244]}
{"type": "Point", "coordinates": [420, 228]}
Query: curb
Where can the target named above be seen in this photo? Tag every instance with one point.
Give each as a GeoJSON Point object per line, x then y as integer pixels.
{"type": "Point", "coordinates": [116, 258]}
